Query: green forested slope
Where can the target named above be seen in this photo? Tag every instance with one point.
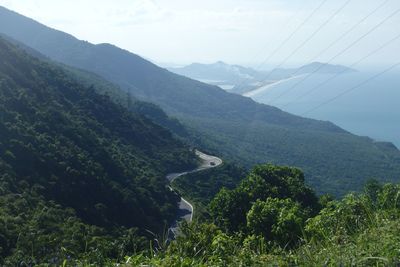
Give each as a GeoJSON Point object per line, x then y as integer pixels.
{"type": "Point", "coordinates": [229, 125]}
{"type": "Point", "coordinates": [199, 188]}
{"type": "Point", "coordinates": [64, 146]}
{"type": "Point", "coordinates": [271, 219]}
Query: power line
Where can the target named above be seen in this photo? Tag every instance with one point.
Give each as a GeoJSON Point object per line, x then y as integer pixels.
{"type": "Point", "coordinates": [294, 32]}
{"type": "Point", "coordinates": [340, 73]}
{"type": "Point", "coordinates": [352, 88]}
{"type": "Point", "coordinates": [337, 55]}
{"type": "Point", "coordinates": [278, 47]}
{"type": "Point", "coordinates": [309, 38]}
{"type": "Point", "coordinates": [267, 44]}
{"type": "Point", "coordinates": [336, 41]}
{"type": "Point", "coordinates": [351, 29]}
{"type": "Point", "coordinates": [287, 39]}
{"type": "Point", "coordinates": [260, 65]}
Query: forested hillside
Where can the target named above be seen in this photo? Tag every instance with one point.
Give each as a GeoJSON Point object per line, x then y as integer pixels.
{"type": "Point", "coordinates": [201, 187]}
{"type": "Point", "coordinates": [77, 168]}
{"type": "Point", "coordinates": [228, 125]}
{"type": "Point", "coordinates": [273, 219]}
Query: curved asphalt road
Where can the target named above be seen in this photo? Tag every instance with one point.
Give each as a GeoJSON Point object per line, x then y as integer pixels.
{"type": "Point", "coordinates": [185, 211]}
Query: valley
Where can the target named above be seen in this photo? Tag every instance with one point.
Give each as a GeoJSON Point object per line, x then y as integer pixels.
{"type": "Point", "coordinates": [110, 159]}
{"type": "Point", "coordinates": [235, 127]}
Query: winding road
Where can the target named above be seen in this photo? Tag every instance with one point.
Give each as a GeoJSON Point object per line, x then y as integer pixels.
{"type": "Point", "coordinates": [185, 211]}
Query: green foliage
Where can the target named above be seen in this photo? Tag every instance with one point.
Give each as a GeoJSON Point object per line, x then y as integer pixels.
{"type": "Point", "coordinates": [279, 220]}
{"type": "Point", "coordinates": [234, 126]}
{"type": "Point", "coordinates": [354, 212]}
{"type": "Point", "coordinates": [157, 115]}
{"type": "Point", "coordinates": [81, 177]}
{"type": "Point", "coordinates": [206, 245]}
{"type": "Point", "coordinates": [389, 197]}
{"type": "Point", "coordinates": [201, 187]}
{"type": "Point", "coordinates": [229, 207]}
{"type": "Point", "coordinates": [340, 217]}
{"type": "Point", "coordinates": [88, 167]}
{"type": "Point", "coordinates": [33, 230]}
{"type": "Point", "coordinates": [369, 237]}
{"type": "Point", "coordinates": [360, 230]}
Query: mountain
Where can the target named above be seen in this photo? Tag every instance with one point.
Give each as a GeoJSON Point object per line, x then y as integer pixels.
{"type": "Point", "coordinates": [281, 76]}
{"type": "Point", "coordinates": [66, 144]}
{"type": "Point", "coordinates": [238, 79]}
{"type": "Point", "coordinates": [102, 86]}
{"type": "Point", "coordinates": [229, 125]}
{"type": "Point", "coordinates": [321, 68]}
{"type": "Point", "coordinates": [219, 73]}
{"type": "Point", "coordinates": [314, 67]}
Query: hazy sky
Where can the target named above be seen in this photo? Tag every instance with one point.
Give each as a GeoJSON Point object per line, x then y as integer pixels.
{"type": "Point", "coordinates": [235, 31]}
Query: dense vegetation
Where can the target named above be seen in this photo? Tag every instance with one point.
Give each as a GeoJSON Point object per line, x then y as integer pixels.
{"type": "Point", "coordinates": [104, 87]}
{"type": "Point", "coordinates": [359, 230]}
{"type": "Point", "coordinates": [268, 192]}
{"type": "Point", "coordinates": [333, 160]}
{"type": "Point", "coordinates": [76, 168]}
{"type": "Point", "coordinates": [201, 187]}
{"type": "Point", "coordinates": [157, 115]}
{"type": "Point", "coordinates": [82, 180]}
{"type": "Point", "coordinates": [286, 225]}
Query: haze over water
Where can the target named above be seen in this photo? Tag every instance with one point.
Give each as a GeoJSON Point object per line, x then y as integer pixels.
{"type": "Point", "coordinates": [372, 110]}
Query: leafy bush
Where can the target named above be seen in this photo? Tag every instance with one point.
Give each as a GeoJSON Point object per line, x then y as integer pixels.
{"type": "Point", "coordinates": [279, 220]}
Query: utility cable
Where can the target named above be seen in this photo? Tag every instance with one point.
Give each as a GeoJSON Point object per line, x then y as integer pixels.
{"type": "Point", "coordinates": [338, 54]}
{"type": "Point", "coordinates": [351, 89]}
{"type": "Point", "coordinates": [342, 72]}
{"type": "Point", "coordinates": [309, 38]}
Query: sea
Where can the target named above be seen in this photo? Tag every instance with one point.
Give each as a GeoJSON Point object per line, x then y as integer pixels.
{"type": "Point", "coordinates": [360, 102]}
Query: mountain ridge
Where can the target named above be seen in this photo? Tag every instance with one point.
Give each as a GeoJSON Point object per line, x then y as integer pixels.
{"type": "Point", "coordinates": [239, 79]}
{"type": "Point", "coordinates": [82, 150]}
{"type": "Point", "coordinates": [230, 125]}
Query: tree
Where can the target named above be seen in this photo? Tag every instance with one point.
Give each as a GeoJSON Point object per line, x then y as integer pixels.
{"type": "Point", "coordinates": [389, 197]}
{"type": "Point", "coordinates": [371, 190]}
{"type": "Point", "coordinates": [129, 99]}
{"type": "Point", "coordinates": [229, 207]}
{"type": "Point", "coordinates": [279, 220]}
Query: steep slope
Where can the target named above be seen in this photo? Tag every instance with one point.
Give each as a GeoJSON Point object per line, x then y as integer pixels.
{"type": "Point", "coordinates": [229, 125]}
{"type": "Point", "coordinates": [104, 87]}
{"type": "Point", "coordinates": [75, 147]}
{"type": "Point", "coordinates": [84, 77]}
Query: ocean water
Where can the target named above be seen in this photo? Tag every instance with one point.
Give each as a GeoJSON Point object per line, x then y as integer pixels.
{"type": "Point", "coordinates": [373, 109]}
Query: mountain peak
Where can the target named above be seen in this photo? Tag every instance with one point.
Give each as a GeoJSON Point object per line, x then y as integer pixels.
{"type": "Point", "coordinates": [220, 63]}
{"type": "Point", "coordinates": [321, 67]}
